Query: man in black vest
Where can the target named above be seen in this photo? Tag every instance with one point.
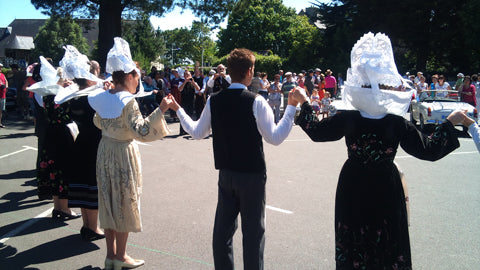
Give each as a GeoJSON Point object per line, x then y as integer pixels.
{"type": "Point", "coordinates": [239, 119]}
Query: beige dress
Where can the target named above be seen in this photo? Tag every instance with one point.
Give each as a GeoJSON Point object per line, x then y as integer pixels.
{"type": "Point", "coordinates": [119, 171]}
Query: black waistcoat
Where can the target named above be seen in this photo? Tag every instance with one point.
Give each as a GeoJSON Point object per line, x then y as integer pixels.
{"type": "Point", "coordinates": [237, 144]}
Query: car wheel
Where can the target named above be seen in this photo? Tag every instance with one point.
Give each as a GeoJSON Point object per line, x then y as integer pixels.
{"type": "Point", "coordinates": [422, 123]}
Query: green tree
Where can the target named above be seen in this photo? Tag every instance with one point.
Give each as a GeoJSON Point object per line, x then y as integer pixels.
{"type": "Point", "coordinates": [430, 35]}
{"type": "Point", "coordinates": [263, 63]}
{"type": "Point", "coordinates": [187, 44]}
{"type": "Point", "coordinates": [145, 44]}
{"type": "Point", "coordinates": [56, 33]}
{"type": "Point", "coordinates": [269, 25]}
{"type": "Point", "coordinates": [110, 13]}
{"type": "Point", "coordinates": [203, 46]}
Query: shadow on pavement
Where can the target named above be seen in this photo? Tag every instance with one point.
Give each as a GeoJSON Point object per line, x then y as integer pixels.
{"type": "Point", "coordinates": [15, 201]}
{"type": "Point", "coordinates": [20, 174]}
{"type": "Point", "coordinates": [17, 135]}
{"type": "Point", "coordinates": [55, 250]}
{"type": "Point", "coordinates": [41, 224]}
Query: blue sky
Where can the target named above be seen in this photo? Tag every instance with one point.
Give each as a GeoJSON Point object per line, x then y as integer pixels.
{"type": "Point", "coordinates": [23, 9]}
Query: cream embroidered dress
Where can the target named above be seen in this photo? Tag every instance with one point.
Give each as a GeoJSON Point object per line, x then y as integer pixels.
{"type": "Point", "coordinates": [119, 171]}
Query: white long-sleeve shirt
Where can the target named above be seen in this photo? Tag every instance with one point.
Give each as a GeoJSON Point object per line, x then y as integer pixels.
{"type": "Point", "coordinates": [474, 130]}
{"type": "Point", "coordinates": [211, 82]}
{"type": "Point", "coordinates": [272, 133]}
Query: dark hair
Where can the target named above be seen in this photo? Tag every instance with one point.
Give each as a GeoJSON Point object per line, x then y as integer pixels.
{"type": "Point", "coordinates": [467, 78]}
{"type": "Point", "coordinates": [82, 83]}
{"type": "Point", "coordinates": [36, 73]}
{"type": "Point", "coordinates": [239, 61]}
{"type": "Point", "coordinates": [119, 77]}
{"type": "Point", "coordinates": [474, 77]}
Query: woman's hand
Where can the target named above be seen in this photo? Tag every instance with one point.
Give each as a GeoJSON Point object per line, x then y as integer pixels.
{"type": "Point", "coordinates": [108, 85]}
{"type": "Point", "coordinates": [172, 102]}
{"type": "Point", "coordinates": [165, 104]}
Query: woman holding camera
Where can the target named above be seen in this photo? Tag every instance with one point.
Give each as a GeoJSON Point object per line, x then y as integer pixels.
{"type": "Point", "coordinates": [188, 88]}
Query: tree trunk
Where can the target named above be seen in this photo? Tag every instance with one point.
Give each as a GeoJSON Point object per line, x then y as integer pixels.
{"type": "Point", "coordinates": [109, 26]}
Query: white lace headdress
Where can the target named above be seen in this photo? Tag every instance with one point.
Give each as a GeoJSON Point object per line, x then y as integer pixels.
{"type": "Point", "coordinates": [373, 67]}
{"type": "Point", "coordinates": [119, 58]}
{"type": "Point", "coordinates": [48, 85]}
{"type": "Point", "coordinates": [76, 65]}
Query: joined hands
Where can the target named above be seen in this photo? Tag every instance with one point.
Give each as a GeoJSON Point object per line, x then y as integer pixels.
{"type": "Point", "coordinates": [297, 95]}
{"type": "Point", "coordinates": [169, 102]}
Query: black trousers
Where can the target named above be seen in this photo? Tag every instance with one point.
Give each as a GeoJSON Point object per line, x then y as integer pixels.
{"type": "Point", "coordinates": [242, 193]}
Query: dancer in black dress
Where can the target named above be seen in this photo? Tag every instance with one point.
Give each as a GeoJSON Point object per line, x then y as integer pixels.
{"type": "Point", "coordinates": [83, 191]}
{"type": "Point", "coordinates": [371, 227]}
{"type": "Point", "coordinates": [52, 177]}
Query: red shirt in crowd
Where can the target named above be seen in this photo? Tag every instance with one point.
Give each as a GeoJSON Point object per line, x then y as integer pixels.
{"type": "Point", "coordinates": [3, 90]}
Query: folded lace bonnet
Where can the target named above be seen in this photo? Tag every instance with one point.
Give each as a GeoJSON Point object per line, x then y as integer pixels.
{"type": "Point", "coordinates": [373, 85]}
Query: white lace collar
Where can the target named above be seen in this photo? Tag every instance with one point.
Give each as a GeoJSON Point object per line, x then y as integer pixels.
{"type": "Point", "coordinates": [109, 105]}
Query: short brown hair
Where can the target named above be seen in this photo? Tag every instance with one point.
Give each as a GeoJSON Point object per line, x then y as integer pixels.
{"type": "Point", "coordinates": [119, 77]}
{"type": "Point", "coordinates": [239, 61]}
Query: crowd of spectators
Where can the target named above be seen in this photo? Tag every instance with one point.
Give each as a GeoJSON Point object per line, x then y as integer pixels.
{"type": "Point", "coordinates": [463, 89]}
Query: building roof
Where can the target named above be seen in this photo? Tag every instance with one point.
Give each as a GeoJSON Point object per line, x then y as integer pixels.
{"type": "Point", "coordinates": [26, 27]}
{"type": "Point", "coordinates": [17, 43]}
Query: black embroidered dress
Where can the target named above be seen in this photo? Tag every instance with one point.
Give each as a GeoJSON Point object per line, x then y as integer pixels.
{"type": "Point", "coordinates": [54, 158]}
{"type": "Point", "coordinates": [371, 230]}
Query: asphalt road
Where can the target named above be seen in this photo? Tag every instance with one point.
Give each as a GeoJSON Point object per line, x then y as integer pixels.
{"type": "Point", "coordinates": [179, 200]}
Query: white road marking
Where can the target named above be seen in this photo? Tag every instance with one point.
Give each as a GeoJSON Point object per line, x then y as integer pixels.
{"type": "Point", "coordinates": [459, 153]}
{"type": "Point", "coordinates": [25, 225]}
{"type": "Point", "coordinates": [25, 148]}
{"type": "Point", "coordinates": [279, 209]}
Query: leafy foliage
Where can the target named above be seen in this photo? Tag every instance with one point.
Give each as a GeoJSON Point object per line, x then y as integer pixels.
{"type": "Point", "coordinates": [56, 33]}
{"type": "Point", "coordinates": [263, 63]}
{"type": "Point", "coordinates": [187, 44]}
{"type": "Point", "coordinates": [110, 13]}
{"type": "Point", "coordinates": [433, 36]}
{"type": "Point", "coordinates": [145, 44]}
{"type": "Point", "coordinates": [270, 25]}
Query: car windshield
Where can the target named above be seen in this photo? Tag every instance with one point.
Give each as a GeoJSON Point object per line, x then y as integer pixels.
{"type": "Point", "coordinates": [439, 95]}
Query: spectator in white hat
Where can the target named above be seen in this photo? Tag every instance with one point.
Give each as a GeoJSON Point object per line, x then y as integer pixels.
{"type": "Point", "coordinates": [287, 86]}
{"type": "Point", "coordinates": [459, 82]}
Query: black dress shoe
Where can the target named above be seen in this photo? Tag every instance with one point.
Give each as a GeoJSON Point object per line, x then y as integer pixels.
{"type": "Point", "coordinates": [64, 216]}
{"type": "Point", "coordinates": [90, 235]}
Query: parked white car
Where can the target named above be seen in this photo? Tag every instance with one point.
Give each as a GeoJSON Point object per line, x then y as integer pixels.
{"type": "Point", "coordinates": [434, 110]}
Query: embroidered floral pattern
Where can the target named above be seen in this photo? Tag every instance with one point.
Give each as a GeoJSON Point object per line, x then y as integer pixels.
{"type": "Point", "coordinates": [50, 178]}
{"type": "Point", "coordinates": [369, 149]}
{"type": "Point", "coordinates": [366, 248]}
{"type": "Point", "coordinates": [438, 136]}
{"type": "Point", "coordinates": [50, 175]}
